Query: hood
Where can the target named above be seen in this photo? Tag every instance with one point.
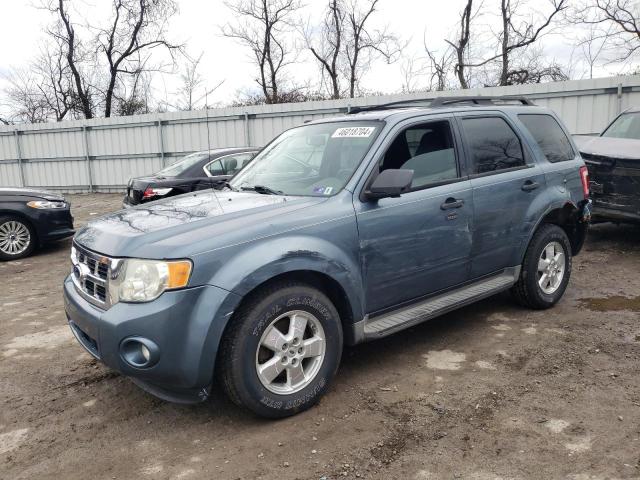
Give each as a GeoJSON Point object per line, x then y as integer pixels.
{"type": "Point", "coordinates": [624, 148]}
{"type": "Point", "coordinates": [188, 224]}
{"type": "Point", "coordinates": [30, 192]}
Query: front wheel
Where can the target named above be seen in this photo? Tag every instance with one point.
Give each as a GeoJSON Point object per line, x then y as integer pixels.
{"type": "Point", "coordinates": [546, 269]}
{"type": "Point", "coordinates": [282, 350]}
{"type": "Point", "coordinates": [17, 238]}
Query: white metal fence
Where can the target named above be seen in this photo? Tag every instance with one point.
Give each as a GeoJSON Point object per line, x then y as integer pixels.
{"type": "Point", "coordinates": [102, 154]}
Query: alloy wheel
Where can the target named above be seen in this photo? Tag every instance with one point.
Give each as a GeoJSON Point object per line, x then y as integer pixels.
{"type": "Point", "coordinates": [14, 237]}
{"type": "Point", "coordinates": [290, 352]}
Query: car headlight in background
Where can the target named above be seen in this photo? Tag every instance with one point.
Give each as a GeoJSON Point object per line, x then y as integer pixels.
{"type": "Point", "coordinates": [47, 205]}
{"type": "Point", "coordinates": [145, 280]}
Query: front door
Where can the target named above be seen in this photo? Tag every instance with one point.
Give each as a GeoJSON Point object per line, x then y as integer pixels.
{"type": "Point", "coordinates": [418, 243]}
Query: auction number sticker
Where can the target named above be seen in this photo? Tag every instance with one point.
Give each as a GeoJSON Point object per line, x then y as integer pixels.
{"type": "Point", "coordinates": [353, 132]}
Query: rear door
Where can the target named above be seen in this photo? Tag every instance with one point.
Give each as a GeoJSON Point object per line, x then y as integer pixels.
{"type": "Point", "coordinates": [505, 180]}
{"type": "Point", "coordinates": [420, 242]}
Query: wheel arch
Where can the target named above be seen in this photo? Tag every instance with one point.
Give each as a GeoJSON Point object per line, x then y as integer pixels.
{"type": "Point", "coordinates": [564, 215]}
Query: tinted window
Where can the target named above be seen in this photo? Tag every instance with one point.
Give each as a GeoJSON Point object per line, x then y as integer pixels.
{"type": "Point", "coordinates": [494, 145]}
{"type": "Point", "coordinates": [428, 150]}
{"type": "Point", "coordinates": [215, 168]}
{"type": "Point", "coordinates": [183, 164]}
{"type": "Point", "coordinates": [550, 137]}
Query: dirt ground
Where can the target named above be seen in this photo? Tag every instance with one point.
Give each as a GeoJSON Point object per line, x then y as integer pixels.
{"type": "Point", "coordinates": [492, 391]}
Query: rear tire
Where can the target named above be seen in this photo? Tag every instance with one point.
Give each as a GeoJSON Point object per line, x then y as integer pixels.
{"type": "Point", "coordinates": [17, 238]}
{"type": "Point", "coordinates": [281, 351]}
{"type": "Point", "coordinates": [546, 269]}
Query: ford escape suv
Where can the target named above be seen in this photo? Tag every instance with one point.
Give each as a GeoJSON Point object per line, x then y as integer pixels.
{"type": "Point", "coordinates": [340, 231]}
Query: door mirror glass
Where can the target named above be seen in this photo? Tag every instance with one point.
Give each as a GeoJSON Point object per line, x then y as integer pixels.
{"type": "Point", "coordinates": [390, 183]}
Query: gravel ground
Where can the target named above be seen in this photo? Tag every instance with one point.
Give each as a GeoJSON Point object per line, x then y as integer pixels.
{"type": "Point", "coordinates": [490, 391]}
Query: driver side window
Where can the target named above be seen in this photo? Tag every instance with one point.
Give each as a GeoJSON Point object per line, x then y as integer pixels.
{"type": "Point", "coordinates": [428, 150]}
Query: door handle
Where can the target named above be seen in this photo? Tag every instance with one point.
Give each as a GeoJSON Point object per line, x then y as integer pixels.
{"type": "Point", "coordinates": [451, 203]}
{"type": "Point", "coordinates": [530, 185]}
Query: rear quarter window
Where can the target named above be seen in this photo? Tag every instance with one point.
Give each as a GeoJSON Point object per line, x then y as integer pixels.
{"type": "Point", "coordinates": [549, 136]}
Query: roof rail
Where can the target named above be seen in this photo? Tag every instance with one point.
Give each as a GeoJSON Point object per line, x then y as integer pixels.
{"type": "Point", "coordinates": [445, 101]}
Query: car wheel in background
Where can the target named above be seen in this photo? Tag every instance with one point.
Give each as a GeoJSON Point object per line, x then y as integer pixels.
{"type": "Point", "coordinates": [546, 268]}
{"type": "Point", "coordinates": [17, 238]}
{"type": "Point", "coordinates": [282, 350]}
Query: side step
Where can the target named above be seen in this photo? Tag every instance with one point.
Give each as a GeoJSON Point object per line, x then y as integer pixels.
{"type": "Point", "coordinates": [406, 317]}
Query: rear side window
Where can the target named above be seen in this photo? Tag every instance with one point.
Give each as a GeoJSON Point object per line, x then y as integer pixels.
{"type": "Point", "coordinates": [494, 145]}
{"type": "Point", "coordinates": [550, 137]}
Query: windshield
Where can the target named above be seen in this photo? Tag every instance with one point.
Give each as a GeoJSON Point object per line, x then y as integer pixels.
{"type": "Point", "coordinates": [182, 164]}
{"type": "Point", "coordinates": [312, 160]}
{"type": "Point", "coordinates": [626, 125]}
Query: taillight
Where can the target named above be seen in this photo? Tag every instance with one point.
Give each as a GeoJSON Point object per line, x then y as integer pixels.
{"type": "Point", "coordinates": [584, 177]}
{"type": "Point", "coordinates": [155, 192]}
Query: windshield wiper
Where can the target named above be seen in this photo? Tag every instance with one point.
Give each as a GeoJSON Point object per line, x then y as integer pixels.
{"type": "Point", "coordinates": [263, 189]}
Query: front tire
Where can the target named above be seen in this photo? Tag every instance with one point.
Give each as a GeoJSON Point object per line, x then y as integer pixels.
{"type": "Point", "coordinates": [546, 269]}
{"type": "Point", "coordinates": [281, 350]}
{"type": "Point", "coordinates": [17, 238]}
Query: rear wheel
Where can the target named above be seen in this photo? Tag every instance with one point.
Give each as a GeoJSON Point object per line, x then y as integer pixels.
{"type": "Point", "coordinates": [17, 238]}
{"type": "Point", "coordinates": [282, 350]}
{"type": "Point", "coordinates": [546, 269]}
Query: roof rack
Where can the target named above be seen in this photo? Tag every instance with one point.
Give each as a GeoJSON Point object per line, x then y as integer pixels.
{"type": "Point", "coordinates": [445, 101]}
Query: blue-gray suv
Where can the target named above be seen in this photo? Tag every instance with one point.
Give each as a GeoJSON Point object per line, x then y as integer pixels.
{"type": "Point", "coordinates": [340, 231]}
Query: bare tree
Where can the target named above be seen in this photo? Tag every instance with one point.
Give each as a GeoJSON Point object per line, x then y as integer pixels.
{"type": "Point", "coordinates": [439, 66]}
{"type": "Point", "coordinates": [43, 91]}
{"type": "Point", "coordinates": [413, 71]}
{"type": "Point", "coordinates": [363, 44]}
{"type": "Point", "coordinates": [593, 46]}
{"type": "Point", "coordinates": [263, 26]}
{"type": "Point", "coordinates": [617, 25]}
{"type": "Point", "coordinates": [326, 45]}
{"type": "Point", "coordinates": [193, 89]}
{"type": "Point", "coordinates": [517, 34]}
{"type": "Point", "coordinates": [461, 44]}
{"type": "Point", "coordinates": [120, 49]}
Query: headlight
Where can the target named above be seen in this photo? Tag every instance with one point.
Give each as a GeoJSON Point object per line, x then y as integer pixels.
{"type": "Point", "coordinates": [46, 204]}
{"type": "Point", "coordinates": [145, 280]}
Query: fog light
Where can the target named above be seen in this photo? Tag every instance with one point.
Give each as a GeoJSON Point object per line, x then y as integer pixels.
{"type": "Point", "coordinates": [139, 352]}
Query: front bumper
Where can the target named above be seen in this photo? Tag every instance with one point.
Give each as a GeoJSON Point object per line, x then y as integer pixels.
{"type": "Point", "coordinates": [52, 225]}
{"type": "Point", "coordinates": [186, 325]}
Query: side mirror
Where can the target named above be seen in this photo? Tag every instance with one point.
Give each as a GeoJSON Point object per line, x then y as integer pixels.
{"type": "Point", "coordinates": [390, 183]}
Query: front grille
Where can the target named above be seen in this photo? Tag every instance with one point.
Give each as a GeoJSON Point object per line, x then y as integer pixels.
{"type": "Point", "coordinates": [91, 275]}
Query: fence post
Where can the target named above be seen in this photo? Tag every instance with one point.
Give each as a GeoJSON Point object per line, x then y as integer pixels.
{"type": "Point", "coordinates": [619, 98]}
{"type": "Point", "coordinates": [17, 134]}
{"type": "Point", "coordinates": [247, 137]}
{"type": "Point", "coordinates": [161, 141]}
{"type": "Point", "coordinates": [85, 134]}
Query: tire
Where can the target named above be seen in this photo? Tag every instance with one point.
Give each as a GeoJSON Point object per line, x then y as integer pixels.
{"type": "Point", "coordinates": [531, 290]}
{"type": "Point", "coordinates": [17, 238]}
{"type": "Point", "coordinates": [263, 353]}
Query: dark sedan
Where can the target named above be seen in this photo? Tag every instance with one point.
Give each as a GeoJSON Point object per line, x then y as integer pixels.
{"type": "Point", "coordinates": [613, 160]}
{"type": "Point", "coordinates": [31, 218]}
{"type": "Point", "coordinates": [197, 171]}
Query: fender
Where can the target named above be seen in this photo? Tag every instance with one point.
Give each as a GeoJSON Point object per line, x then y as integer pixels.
{"type": "Point", "coordinates": [251, 267]}
{"type": "Point", "coordinates": [561, 202]}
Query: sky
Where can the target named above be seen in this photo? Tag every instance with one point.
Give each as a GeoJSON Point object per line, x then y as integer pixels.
{"type": "Point", "coordinates": [198, 25]}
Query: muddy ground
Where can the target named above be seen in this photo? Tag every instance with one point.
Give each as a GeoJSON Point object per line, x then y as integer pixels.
{"type": "Point", "coordinates": [490, 391]}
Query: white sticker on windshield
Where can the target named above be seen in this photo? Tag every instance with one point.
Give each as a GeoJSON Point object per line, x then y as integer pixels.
{"type": "Point", "coordinates": [353, 132]}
